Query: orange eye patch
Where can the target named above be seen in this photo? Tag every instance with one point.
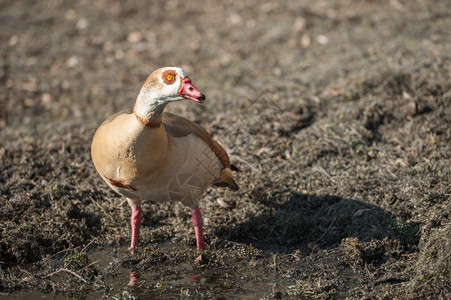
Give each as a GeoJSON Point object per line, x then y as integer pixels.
{"type": "Point", "coordinates": [169, 76]}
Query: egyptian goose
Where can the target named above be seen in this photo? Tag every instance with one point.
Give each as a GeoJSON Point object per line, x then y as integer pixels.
{"type": "Point", "coordinates": [148, 154]}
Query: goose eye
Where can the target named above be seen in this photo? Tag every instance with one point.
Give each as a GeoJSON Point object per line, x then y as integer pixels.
{"type": "Point", "coordinates": [168, 76]}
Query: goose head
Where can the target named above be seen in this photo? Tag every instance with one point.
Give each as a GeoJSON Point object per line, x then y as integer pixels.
{"type": "Point", "coordinates": [165, 85]}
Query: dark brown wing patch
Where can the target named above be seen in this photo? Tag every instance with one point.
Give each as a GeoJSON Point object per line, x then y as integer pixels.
{"type": "Point", "coordinates": [220, 153]}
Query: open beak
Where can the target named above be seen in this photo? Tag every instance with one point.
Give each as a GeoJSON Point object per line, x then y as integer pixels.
{"type": "Point", "coordinates": [189, 91]}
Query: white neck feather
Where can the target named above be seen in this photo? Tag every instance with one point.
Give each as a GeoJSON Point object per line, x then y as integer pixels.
{"type": "Point", "coordinates": [149, 106]}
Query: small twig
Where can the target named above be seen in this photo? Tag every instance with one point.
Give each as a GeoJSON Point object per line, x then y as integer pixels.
{"type": "Point", "coordinates": [85, 247]}
{"type": "Point", "coordinates": [31, 275]}
{"type": "Point", "coordinates": [236, 157]}
{"type": "Point", "coordinates": [70, 272]}
{"type": "Point", "coordinates": [320, 169]}
{"type": "Point", "coordinates": [89, 265]}
{"type": "Point", "coordinates": [327, 230]}
{"type": "Point", "coordinates": [426, 282]}
{"type": "Point", "coordinates": [64, 250]}
{"type": "Point", "coordinates": [392, 174]}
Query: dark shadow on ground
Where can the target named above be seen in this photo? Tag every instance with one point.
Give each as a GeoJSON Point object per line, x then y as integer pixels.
{"type": "Point", "coordinates": [307, 222]}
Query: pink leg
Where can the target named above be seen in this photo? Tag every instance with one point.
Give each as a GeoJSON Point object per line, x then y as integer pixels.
{"type": "Point", "coordinates": [134, 278]}
{"type": "Point", "coordinates": [197, 223]}
{"type": "Point", "coordinates": [135, 221]}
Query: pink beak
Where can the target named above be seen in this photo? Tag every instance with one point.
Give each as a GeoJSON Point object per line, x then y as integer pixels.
{"type": "Point", "coordinates": [189, 91]}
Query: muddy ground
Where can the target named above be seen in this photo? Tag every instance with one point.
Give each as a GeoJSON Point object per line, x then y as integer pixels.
{"type": "Point", "coordinates": [336, 113]}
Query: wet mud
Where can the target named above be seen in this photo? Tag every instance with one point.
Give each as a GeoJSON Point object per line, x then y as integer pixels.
{"type": "Point", "coordinates": [336, 114]}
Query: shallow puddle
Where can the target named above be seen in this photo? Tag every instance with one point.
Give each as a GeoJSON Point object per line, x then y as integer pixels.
{"type": "Point", "coordinates": [185, 279]}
